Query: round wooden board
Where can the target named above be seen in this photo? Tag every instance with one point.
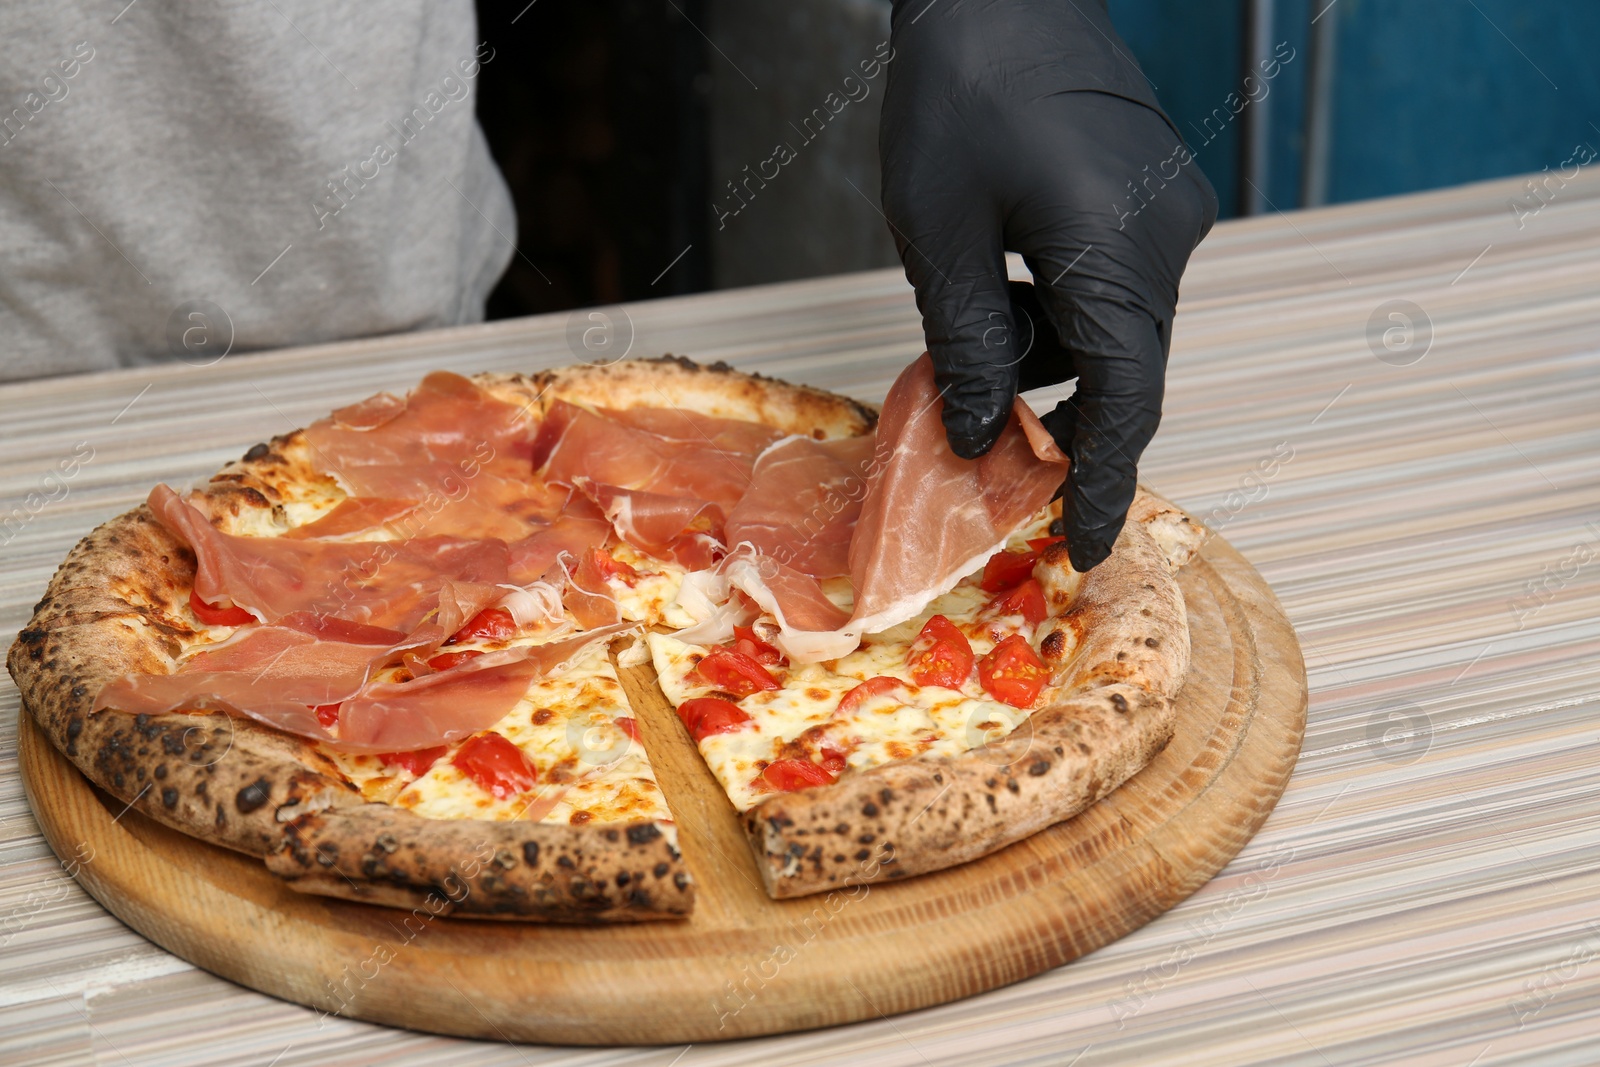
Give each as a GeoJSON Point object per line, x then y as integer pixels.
{"type": "Point", "coordinates": [743, 964]}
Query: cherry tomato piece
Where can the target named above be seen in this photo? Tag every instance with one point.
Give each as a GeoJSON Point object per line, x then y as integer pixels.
{"type": "Point", "coordinates": [212, 615]}
{"type": "Point", "coordinates": [872, 687]}
{"type": "Point", "coordinates": [1013, 673]}
{"type": "Point", "coordinates": [1026, 600]}
{"type": "Point", "coordinates": [734, 672]}
{"type": "Point", "coordinates": [704, 716]}
{"type": "Point", "coordinates": [445, 660]}
{"type": "Point", "coordinates": [941, 655]}
{"type": "Point", "coordinates": [1039, 544]}
{"type": "Point", "coordinates": [628, 725]}
{"type": "Point", "coordinates": [787, 775]}
{"type": "Point", "coordinates": [490, 624]}
{"type": "Point", "coordinates": [610, 566]}
{"type": "Point", "coordinates": [416, 762]}
{"type": "Point", "coordinates": [1006, 569]}
{"type": "Point", "coordinates": [327, 714]}
{"type": "Point", "coordinates": [833, 761]}
{"type": "Point", "coordinates": [746, 640]}
{"type": "Point", "coordinates": [495, 764]}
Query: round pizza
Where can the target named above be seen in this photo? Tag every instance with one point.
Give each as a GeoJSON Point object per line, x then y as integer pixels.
{"type": "Point", "coordinates": [396, 654]}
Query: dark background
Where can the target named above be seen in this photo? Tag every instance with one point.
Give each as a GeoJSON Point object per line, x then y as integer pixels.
{"type": "Point", "coordinates": [618, 123]}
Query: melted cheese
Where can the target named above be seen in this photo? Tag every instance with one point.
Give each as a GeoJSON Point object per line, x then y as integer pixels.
{"type": "Point", "coordinates": [587, 766]}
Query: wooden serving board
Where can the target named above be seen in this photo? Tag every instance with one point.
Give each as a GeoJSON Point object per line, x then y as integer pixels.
{"type": "Point", "coordinates": [743, 964]}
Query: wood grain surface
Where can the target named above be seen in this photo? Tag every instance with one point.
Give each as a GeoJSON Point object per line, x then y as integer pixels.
{"type": "Point", "coordinates": [743, 964]}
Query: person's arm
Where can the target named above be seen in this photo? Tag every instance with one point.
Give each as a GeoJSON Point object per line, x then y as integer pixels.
{"type": "Point", "coordinates": [1025, 125]}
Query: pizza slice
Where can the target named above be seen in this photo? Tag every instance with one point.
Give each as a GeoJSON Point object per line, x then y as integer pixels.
{"type": "Point", "coordinates": [973, 724]}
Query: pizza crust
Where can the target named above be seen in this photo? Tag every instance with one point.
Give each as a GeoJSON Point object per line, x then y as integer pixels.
{"type": "Point", "coordinates": [1118, 649]}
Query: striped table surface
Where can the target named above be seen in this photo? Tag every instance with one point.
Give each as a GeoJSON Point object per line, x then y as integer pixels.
{"type": "Point", "coordinates": [1389, 407]}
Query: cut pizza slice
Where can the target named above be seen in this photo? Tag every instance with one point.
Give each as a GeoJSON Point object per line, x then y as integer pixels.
{"type": "Point", "coordinates": [1012, 701]}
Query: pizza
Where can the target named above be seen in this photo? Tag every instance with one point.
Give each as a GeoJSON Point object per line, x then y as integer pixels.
{"type": "Point", "coordinates": [390, 654]}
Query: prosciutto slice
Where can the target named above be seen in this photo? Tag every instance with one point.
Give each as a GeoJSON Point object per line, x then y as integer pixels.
{"type": "Point", "coordinates": [928, 518]}
{"type": "Point", "coordinates": [379, 583]}
{"type": "Point", "coordinates": [575, 443]}
{"type": "Point", "coordinates": [453, 704]}
{"type": "Point", "coordinates": [279, 675]}
{"type": "Point", "coordinates": [675, 528]}
{"type": "Point", "coordinates": [804, 502]}
{"type": "Point", "coordinates": [275, 674]}
{"type": "Point", "coordinates": [580, 527]}
{"type": "Point", "coordinates": [456, 455]}
{"type": "Point", "coordinates": [729, 435]}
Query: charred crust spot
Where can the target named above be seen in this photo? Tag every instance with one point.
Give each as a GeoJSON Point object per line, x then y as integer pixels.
{"type": "Point", "coordinates": [885, 796]}
{"type": "Point", "coordinates": [838, 857]}
{"type": "Point", "coordinates": [1119, 703]}
{"type": "Point", "coordinates": [870, 810]}
{"type": "Point", "coordinates": [1038, 767]}
{"type": "Point", "coordinates": [681, 880]}
{"type": "Point", "coordinates": [1151, 642]}
{"type": "Point", "coordinates": [862, 856]}
{"type": "Point", "coordinates": [842, 828]}
{"type": "Point", "coordinates": [661, 869]}
{"type": "Point", "coordinates": [385, 843]}
{"type": "Point", "coordinates": [990, 798]}
{"type": "Point", "coordinates": [172, 744]}
{"type": "Point", "coordinates": [74, 728]}
{"type": "Point", "coordinates": [611, 835]}
{"type": "Point", "coordinates": [623, 878]}
{"type": "Point", "coordinates": [530, 853]}
{"type": "Point", "coordinates": [865, 839]}
{"type": "Point", "coordinates": [639, 897]}
{"type": "Point", "coordinates": [643, 834]}
{"type": "Point", "coordinates": [566, 861]}
{"type": "Point", "coordinates": [1122, 656]}
{"type": "Point", "coordinates": [222, 816]}
{"type": "Point", "coordinates": [253, 796]}
{"type": "Point", "coordinates": [1054, 644]}
{"type": "Point", "coordinates": [169, 798]}
{"type": "Point", "coordinates": [1011, 784]}
{"type": "Point", "coordinates": [256, 452]}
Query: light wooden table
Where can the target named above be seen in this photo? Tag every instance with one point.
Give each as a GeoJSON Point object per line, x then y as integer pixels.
{"type": "Point", "coordinates": [1428, 891]}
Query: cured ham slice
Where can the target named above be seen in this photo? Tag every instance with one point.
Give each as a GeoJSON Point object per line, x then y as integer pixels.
{"type": "Point", "coordinates": [811, 627]}
{"type": "Point", "coordinates": [928, 518]}
{"type": "Point", "coordinates": [280, 675]}
{"type": "Point", "coordinates": [275, 674]}
{"type": "Point", "coordinates": [453, 704]}
{"type": "Point", "coordinates": [685, 531]}
{"type": "Point", "coordinates": [729, 435]}
{"type": "Point", "coordinates": [580, 526]}
{"type": "Point", "coordinates": [380, 583]}
{"type": "Point", "coordinates": [576, 443]}
{"type": "Point", "coordinates": [355, 514]}
{"type": "Point", "coordinates": [804, 502]}
{"type": "Point", "coordinates": [456, 454]}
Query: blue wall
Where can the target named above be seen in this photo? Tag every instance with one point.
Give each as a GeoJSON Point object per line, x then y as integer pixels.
{"type": "Point", "coordinates": [1426, 93]}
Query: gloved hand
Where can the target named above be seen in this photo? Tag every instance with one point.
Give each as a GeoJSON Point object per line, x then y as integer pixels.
{"type": "Point", "coordinates": [1025, 125]}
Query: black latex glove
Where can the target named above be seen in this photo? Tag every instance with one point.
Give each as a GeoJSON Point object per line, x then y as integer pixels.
{"type": "Point", "coordinates": [1024, 125]}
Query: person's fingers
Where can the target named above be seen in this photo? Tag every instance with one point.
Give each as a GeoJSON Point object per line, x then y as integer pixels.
{"type": "Point", "coordinates": [1044, 361]}
{"type": "Point", "coordinates": [947, 225]}
{"type": "Point", "coordinates": [1120, 354]}
{"type": "Point", "coordinates": [967, 321]}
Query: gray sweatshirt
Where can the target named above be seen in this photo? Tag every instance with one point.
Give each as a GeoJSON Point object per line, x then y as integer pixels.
{"type": "Point", "coordinates": [181, 178]}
